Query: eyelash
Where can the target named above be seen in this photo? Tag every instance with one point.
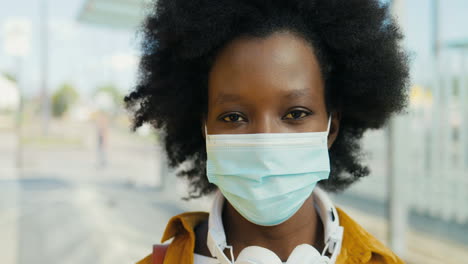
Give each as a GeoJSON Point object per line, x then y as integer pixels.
{"type": "Point", "coordinates": [303, 114]}
{"type": "Point", "coordinates": [224, 117]}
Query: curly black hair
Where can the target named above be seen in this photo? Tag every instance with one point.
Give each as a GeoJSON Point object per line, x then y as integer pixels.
{"type": "Point", "coordinates": [357, 43]}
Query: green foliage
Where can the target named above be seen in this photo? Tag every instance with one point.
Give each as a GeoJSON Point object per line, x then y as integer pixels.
{"type": "Point", "coordinates": [63, 98]}
{"type": "Point", "coordinates": [113, 91]}
{"type": "Point", "coordinates": [9, 76]}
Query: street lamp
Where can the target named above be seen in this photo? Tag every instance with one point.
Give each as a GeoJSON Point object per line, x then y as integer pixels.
{"type": "Point", "coordinates": [17, 43]}
{"type": "Point", "coordinates": [45, 105]}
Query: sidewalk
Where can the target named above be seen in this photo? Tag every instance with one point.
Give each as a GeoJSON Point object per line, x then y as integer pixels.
{"type": "Point", "coordinates": [62, 208]}
{"type": "Point", "coordinates": [8, 198]}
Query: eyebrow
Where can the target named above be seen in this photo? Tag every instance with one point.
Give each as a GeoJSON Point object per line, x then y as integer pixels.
{"type": "Point", "coordinates": [297, 93]}
{"type": "Point", "coordinates": [226, 98]}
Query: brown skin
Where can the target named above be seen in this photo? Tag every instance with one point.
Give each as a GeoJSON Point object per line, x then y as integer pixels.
{"type": "Point", "coordinates": [268, 85]}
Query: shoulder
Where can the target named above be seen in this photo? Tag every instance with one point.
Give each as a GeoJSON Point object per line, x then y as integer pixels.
{"type": "Point", "coordinates": [183, 224]}
{"type": "Point", "coordinates": [146, 260]}
{"type": "Point", "coordinates": [181, 228]}
{"type": "Point", "coordinates": [359, 246]}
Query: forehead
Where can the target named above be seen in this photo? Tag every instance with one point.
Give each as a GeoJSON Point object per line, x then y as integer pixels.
{"type": "Point", "coordinates": [281, 63]}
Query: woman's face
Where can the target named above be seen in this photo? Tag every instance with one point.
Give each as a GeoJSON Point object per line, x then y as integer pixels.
{"type": "Point", "coordinates": [266, 85]}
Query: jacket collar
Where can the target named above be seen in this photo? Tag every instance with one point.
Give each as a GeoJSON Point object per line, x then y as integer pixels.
{"type": "Point", "coordinates": [358, 245]}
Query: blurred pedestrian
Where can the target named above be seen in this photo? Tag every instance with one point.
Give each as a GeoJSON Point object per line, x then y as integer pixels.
{"type": "Point", "coordinates": [102, 131]}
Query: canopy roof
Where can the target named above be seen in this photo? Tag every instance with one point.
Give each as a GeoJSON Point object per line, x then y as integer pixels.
{"type": "Point", "coordinates": [119, 14]}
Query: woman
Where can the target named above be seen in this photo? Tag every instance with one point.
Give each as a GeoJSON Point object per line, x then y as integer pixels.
{"type": "Point", "coordinates": [267, 100]}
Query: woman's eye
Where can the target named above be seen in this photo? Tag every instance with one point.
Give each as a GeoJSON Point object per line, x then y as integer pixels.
{"type": "Point", "coordinates": [296, 114]}
{"type": "Point", "coordinates": [233, 118]}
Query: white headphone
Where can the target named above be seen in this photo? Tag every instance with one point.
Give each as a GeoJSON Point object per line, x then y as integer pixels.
{"type": "Point", "coordinates": [302, 254]}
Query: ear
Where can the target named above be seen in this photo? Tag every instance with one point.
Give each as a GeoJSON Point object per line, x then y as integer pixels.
{"type": "Point", "coordinates": [334, 128]}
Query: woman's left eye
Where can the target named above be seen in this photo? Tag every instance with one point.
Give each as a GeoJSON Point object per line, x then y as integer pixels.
{"type": "Point", "coordinates": [233, 118]}
{"type": "Point", "coordinates": [296, 114]}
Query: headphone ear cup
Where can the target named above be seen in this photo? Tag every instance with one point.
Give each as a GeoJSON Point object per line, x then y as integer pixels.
{"type": "Point", "coordinates": [257, 255]}
{"type": "Point", "coordinates": [306, 254]}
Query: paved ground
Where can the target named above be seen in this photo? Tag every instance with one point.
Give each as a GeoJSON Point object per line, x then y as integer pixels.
{"type": "Point", "coordinates": [62, 208]}
{"type": "Point", "coordinates": [75, 222]}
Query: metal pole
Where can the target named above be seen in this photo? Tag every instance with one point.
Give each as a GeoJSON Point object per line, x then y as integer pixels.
{"type": "Point", "coordinates": [463, 100]}
{"type": "Point", "coordinates": [435, 31]}
{"type": "Point", "coordinates": [19, 117]}
{"type": "Point", "coordinates": [45, 105]}
{"type": "Point", "coordinates": [397, 207]}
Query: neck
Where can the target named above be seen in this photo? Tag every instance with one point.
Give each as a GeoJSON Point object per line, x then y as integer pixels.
{"type": "Point", "coordinates": [304, 227]}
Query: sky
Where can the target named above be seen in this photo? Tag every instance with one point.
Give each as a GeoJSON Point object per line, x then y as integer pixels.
{"type": "Point", "coordinates": [88, 56]}
{"type": "Point", "coordinates": [84, 55]}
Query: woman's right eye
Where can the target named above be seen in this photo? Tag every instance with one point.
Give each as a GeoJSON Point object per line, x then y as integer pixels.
{"type": "Point", "coordinates": [233, 118]}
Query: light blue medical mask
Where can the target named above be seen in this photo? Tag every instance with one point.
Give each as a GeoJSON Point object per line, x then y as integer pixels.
{"type": "Point", "coordinates": [267, 177]}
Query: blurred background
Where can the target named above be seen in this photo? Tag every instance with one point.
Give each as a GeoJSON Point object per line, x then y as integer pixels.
{"type": "Point", "coordinates": [77, 186]}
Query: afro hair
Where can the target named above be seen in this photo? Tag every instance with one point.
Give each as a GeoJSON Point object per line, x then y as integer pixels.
{"type": "Point", "coordinates": [357, 43]}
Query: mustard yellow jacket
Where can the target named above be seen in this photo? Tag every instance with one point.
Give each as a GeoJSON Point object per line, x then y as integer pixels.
{"type": "Point", "coordinates": [358, 245]}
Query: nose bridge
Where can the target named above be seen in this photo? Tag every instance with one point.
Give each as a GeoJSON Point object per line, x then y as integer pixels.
{"type": "Point", "coordinates": [265, 122]}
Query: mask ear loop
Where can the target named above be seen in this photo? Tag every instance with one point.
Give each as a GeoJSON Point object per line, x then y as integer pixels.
{"type": "Point", "coordinates": [207, 137]}
{"type": "Point", "coordinates": [325, 249]}
{"type": "Point", "coordinates": [231, 250]}
{"type": "Point", "coordinates": [328, 126]}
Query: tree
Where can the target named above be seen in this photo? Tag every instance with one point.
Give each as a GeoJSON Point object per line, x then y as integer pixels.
{"type": "Point", "coordinates": [9, 76]}
{"type": "Point", "coordinates": [112, 91]}
{"type": "Point", "coordinates": [65, 96]}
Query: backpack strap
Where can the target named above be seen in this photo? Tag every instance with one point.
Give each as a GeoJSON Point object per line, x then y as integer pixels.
{"type": "Point", "coordinates": [159, 252]}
